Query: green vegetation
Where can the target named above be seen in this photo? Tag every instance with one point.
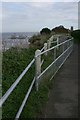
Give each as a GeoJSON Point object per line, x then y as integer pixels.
{"type": "Point", "coordinates": [14, 62]}
{"type": "Point", "coordinates": [35, 40]}
{"type": "Point", "coordinates": [34, 109]}
{"type": "Point", "coordinates": [45, 34]}
{"type": "Point", "coordinates": [38, 40]}
{"type": "Point", "coordinates": [76, 35]}
{"type": "Point", "coordinates": [37, 100]}
{"type": "Point", "coordinates": [60, 29]}
{"type": "Point", "coordinates": [45, 31]}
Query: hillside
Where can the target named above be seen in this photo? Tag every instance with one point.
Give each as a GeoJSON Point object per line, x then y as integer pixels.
{"type": "Point", "coordinates": [60, 29]}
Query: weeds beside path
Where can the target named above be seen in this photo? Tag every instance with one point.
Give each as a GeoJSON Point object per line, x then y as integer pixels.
{"type": "Point", "coordinates": [14, 62]}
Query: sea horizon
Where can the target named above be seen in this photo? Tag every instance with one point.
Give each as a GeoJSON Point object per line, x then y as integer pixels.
{"type": "Point", "coordinates": [6, 35]}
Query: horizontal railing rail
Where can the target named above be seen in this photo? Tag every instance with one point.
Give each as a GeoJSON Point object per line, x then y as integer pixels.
{"type": "Point", "coordinates": [25, 99]}
{"type": "Point", "coordinates": [42, 49]}
{"type": "Point", "coordinates": [62, 62]}
{"type": "Point", "coordinates": [9, 91]}
{"type": "Point", "coordinates": [52, 63]}
{"type": "Point", "coordinates": [38, 58]}
{"type": "Point", "coordinates": [53, 47]}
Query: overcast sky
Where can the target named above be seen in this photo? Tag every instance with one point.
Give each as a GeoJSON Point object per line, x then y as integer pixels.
{"type": "Point", "coordinates": [33, 16]}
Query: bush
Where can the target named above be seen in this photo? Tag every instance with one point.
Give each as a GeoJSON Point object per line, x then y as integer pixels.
{"type": "Point", "coordinates": [34, 38]}
{"type": "Point", "coordinates": [45, 31]}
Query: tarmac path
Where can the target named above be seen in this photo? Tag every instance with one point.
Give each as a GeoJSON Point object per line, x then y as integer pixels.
{"type": "Point", "coordinates": [63, 97]}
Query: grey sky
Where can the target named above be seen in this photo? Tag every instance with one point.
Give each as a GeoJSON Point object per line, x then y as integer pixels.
{"type": "Point", "coordinates": [79, 15]}
{"type": "Point", "coordinates": [33, 16]}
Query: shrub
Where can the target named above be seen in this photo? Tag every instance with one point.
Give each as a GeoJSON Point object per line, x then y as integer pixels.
{"type": "Point", "coordinates": [45, 31]}
{"type": "Point", "coordinates": [34, 38]}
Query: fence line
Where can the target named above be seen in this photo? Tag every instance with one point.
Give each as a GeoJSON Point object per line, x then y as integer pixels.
{"type": "Point", "coordinates": [9, 91]}
{"type": "Point", "coordinates": [53, 47]}
{"type": "Point", "coordinates": [37, 76]}
{"type": "Point", "coordinates": [25, 99]}
{"type": "Point", "coordinates": [52, 63]}
{"type": "Point", "coordinates": [42, 49]}
{"type": "Point", "coordinates": [61, 64]}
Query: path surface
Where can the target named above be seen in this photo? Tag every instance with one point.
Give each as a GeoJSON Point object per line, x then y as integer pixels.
{"type": "Point", "coordinates": [63, 98]}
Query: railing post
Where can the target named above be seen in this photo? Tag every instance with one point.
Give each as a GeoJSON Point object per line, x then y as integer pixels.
{"type": "Point", "coordinates": [48, 44]}
{"type": "Point", "coordinates": [51, 38]}
{"type": "Point", "coordinates": [57, 42]}
{"type": "Point", "coordinates": [49, 41]}
{"type": "Point", "coordinates": [37, 67]}
{"type": "Point", "coordinates": [45, 48]}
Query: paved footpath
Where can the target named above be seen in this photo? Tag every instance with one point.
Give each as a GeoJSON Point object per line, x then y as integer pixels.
{"type": "Point", "coordinates": [63, 98]}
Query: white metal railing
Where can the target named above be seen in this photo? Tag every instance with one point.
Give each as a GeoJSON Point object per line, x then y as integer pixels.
{"type": "Point", "coordinates": [6, 95]}
{"type": "Point", "coordinates": [9, 91]}
{"type": "Point", "coordinates": [38, 57]}
{"type": "Point", "coordinates": [25, 99]}
{"type": "Point", "coordinates": [54, 47]}
{"type": "Point", "coordinates": [53, 63]}
{"type": "Point", "coordinates": [38, 71]}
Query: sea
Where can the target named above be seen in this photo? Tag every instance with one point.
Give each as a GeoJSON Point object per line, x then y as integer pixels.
{"type": "Point", "coordinates": [6, 35]}
{"type": "Point", "coordinates": [9, 34]}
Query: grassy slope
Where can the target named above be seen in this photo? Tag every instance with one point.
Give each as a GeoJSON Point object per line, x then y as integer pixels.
{"type": "Point", "coordinates": [14, 62]}
{"type": "Point", "coordinates": [38, 99]}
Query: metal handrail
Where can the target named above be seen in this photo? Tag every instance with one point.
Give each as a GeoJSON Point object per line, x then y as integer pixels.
{"type": "Point", "coordinates": [9, 91]}
{"type": "Point", "coordinates": [62, 63]}
{"type": "Point", "coordinates": [30, 88]}
{"type": "Point", "coordinates": [25, 99]}
{"type": "Point", "coordinates": [53, 47]}
{"type": "Point", "coordinates": [42, 49]}
{"type": "Point", "coordinates": [53, 62]}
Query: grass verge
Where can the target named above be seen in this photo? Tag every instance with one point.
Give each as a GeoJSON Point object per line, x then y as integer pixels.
{"type": "Point", "coordinates": [14, 62]}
